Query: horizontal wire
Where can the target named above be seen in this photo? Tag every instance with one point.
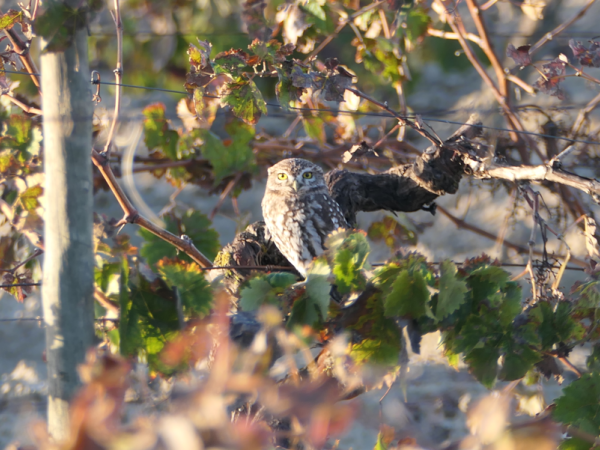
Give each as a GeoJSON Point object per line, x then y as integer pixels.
{"type": "Point", "coordinates": [19, 285]}
{"type": "Point", "coordinates": [41, 319]}
{"type": "Point", "coordinates": [111, 33]}
{"type": "Point", "coordinates": [338, 111]}
{"type": "Point", "coordinates": [273, 268]}
{"type": "Point", "coordinates": [386, 115]}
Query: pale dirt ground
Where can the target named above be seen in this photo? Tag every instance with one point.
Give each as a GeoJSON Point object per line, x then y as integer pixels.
{"type": "Point", "coordinates": [436, 396]}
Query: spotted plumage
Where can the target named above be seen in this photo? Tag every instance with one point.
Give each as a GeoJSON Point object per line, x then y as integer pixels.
{"type": "Point", "coordinates": [299, 212]}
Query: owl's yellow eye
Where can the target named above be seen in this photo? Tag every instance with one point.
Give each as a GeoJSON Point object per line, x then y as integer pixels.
{"type": "Point", "coordinates": [307, 175]}
{"type": "Point", "coordinates": [282, 176]}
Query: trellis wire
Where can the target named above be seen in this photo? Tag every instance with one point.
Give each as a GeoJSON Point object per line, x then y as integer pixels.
{"type": "Point", "coordinates": [336, 111]}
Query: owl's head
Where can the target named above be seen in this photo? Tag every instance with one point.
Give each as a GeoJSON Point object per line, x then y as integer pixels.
{"type": "Point", "coordinates": [295, 175]}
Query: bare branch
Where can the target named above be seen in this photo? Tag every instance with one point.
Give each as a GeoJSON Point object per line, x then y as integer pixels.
{"type": "Point", "coordinates": [539, 173]}
{"type": "Point", "coordinates": [105, 302]}
{"type": "Point", "coordinates": [501, 97]}
{"type": "Point", "coordinates": [583, 114]}
{"type": "Point", "coordinates": [449, 35]}
{"type": "Point", "coordinates": [23, 52]}
{"type": "Point", "coordinates": [434, 140]}
{"type": "Point", "coordinates": [23, 106]}
{"type": "Point", "coordinates": [559, 29]}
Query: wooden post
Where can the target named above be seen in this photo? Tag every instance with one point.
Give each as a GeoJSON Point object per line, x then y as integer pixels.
{"type": "Point", "coordinates": [68, 268]}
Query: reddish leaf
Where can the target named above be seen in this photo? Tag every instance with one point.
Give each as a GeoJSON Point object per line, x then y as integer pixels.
{"type": "Point", "coordinates": [519, 55]}
{"type": "Point", "coordinates": [589, 57]}
{"type": "Point", "coordinates": [553, 73]}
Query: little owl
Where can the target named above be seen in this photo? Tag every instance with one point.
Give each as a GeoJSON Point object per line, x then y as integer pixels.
{"type": "Point", "coordinates": [299, 212]}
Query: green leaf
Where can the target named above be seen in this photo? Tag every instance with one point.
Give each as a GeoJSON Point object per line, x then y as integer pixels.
{"type": "Point", "coordinates": [29, 197]}
{"type": "Point", "coordinates": [574, 444]}
{"type": "Point", "coordinates": [593, 360]}
{"type": "Point", "coordinates": [487, 281]}
{"type": "Point", "coordinates": [265, 289]}
{"type": "Point", "coordinates": [518, 360]}
{"type": "Point", "coordinates": [255, 294]}
{"type": "Point", "coordinates": [19, 131]}
{"type": "Point", "coordinates": [313, 307]}
{"type": "Point", "coordinates": [314, 127]}
{"type": "Point", "coordinates": [104, 274]}
{"type": "Point", "coordinates": [393, 232]}
{"type": "Point", "coordinates": [557, 325]}
{"type": "Point", "coordinates": [130, 336]}
{"type": "Point", "coordinates": [233, 158]}
{"type": "Point", "coordinates": [193, 224]}
{"type": "Point", "coordinates": [316, 14]}
{"type": "Point", "coordinates": [245, 100]}
{"type": "Point", "coordinates": [483, 363]}
{"type": "Point", "coordinates": [511, 305]}
{"type": "Point", "coordinates": [195, 292]}
{"type": "Point", "coordinates": [452, 290]}
{"type": "Point", "coordinates": [416, 23]}
{"type": "Point", "coordinates": [381, 341]}
{"type": "Point", "coordinates": [408, 297]}
{"type": "Point", "coordinates": [351, 253]}
{"type": "Point", "coordinates": [376, 351]}
{"type": "Point", "coordinates": [579, 404]}
{"type": "Point", "coordinates": [157, 134]}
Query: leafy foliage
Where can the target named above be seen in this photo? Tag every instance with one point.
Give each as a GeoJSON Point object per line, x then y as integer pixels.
{"type": "Point", "coordinates": [162, 295]}
{"type": "Point", "coordinates": [580, 406]}
{"type": "Point", "coordinates": [193, 224]}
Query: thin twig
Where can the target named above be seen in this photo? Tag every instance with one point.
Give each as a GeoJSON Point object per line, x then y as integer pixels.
{"type": "Point", "coordinates": [37, 252]}
{"type": "Point", "coordinates": [502, 234]}
{"type": "Point", "coordinates": [23, 52]}
{"type": "Point", "coordinates": [434, 140]}
{"type": "Point", "coordinates": [23, 106]}
{"type": "Point", "coordinates": [570, 365]}
{"type": "Point", "coordinates": [559, 29]}
{"type": "Point", "coordinates": [513, 120]}
{"type": "Point", "coordinates": [118, 76]}
{"type": "Point", "coordinates": [454, 36]}
{"type": "Point", "coordinates": [104, 301]}
{"type": "Point", "coordinates": [583, 114]}
{"type": "Point", "coordinates": [163, 165]}
{"type": "Point", "coordinates": [224, 194]}
{"type": "Point", "coordinates": [36, 4]}
{"type": "Point", "coordinates": [487, 5]}
{"type": "Point", "coordinates": [522, 84]}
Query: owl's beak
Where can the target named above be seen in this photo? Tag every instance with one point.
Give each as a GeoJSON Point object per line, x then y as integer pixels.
{"type": "Point", "coordinates": [295, 185]}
